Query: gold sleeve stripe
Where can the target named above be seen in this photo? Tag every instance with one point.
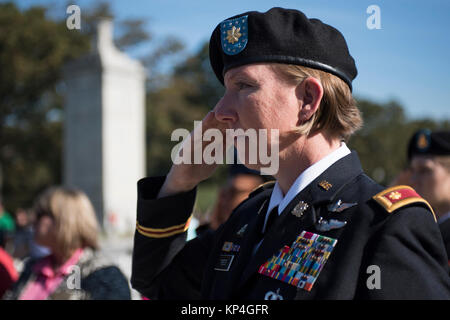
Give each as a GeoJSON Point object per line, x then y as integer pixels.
{"type": "Point", "coordinates": [168, 229]}
{"type": "Point", "coordinates": [163, 233]}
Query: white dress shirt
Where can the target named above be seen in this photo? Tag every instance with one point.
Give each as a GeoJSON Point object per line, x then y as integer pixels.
{"type": "Point", "coordinates": [303, 180]}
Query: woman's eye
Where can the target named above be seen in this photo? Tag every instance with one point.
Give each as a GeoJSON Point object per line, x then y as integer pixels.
{"type": "Point", "coordinates": [242, 85]}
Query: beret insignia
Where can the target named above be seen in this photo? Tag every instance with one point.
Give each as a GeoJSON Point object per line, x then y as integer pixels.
{"type": "Point", "coordinates": [234, 35]}
{"type": "Point", "coordinates": [399, 196]}
{"type": "Point", "coordinates": [423, 141]}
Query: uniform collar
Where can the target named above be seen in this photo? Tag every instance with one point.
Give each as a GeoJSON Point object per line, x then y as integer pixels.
{"type": "Point", "coordinates": [304, 179]}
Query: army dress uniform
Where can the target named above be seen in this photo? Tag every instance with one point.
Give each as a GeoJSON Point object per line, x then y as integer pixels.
{"type": "Point", "coordinates": [338, 236]}
{"type": "Point", "coordinates": [302, 256]}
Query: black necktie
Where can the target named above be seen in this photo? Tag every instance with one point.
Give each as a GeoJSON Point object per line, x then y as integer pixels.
{"type": "Point", "coordinates": [270, 221]}
{"type": "Point", "coordinates": [260, 236]}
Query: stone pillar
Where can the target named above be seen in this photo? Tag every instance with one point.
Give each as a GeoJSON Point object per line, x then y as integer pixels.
{"type": "Point", "coordinates": [104, 142]}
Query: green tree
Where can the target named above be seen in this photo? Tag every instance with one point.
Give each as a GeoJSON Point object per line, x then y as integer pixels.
{"type": "Point", "coordinates": [32, 50]}
{"type": "Point", "coordinates": [34, 46]}
{"type": "Point", "coordinates": [187, 95]}
{"type": "Point", "coordinates": [192, 91]}
{"type": "Point", "coordinates": [382, 141]}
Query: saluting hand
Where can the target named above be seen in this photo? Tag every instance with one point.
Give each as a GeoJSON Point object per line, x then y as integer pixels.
{"type": "Point", "coordinates": [183, 176]}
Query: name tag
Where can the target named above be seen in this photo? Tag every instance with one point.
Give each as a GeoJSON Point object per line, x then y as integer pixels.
{"type": "Point", "coordinates": [224, 262]}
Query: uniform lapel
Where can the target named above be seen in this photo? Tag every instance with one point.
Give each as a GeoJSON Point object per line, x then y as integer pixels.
{"type": "Point", "coordinates": [284, 232]}
{"type": "Point", "coordinates": [249, 243]}
{"type": "Point", "coordinates": [254, 224]}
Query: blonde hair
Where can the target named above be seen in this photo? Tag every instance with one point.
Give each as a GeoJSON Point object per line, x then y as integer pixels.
{"type": "Point", "coordinates": [73, 216]}
{"type": "Point", "coordinates": [337, 113]}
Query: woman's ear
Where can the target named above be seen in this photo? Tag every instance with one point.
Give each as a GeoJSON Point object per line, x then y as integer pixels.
{"type": "Point", "coordinates": [309, 93]}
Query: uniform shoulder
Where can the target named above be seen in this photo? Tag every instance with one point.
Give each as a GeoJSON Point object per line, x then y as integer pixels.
{"type": "Point", "coordinates": [394, 198]}
{"type": "Point", "coordinates": [265, 186]}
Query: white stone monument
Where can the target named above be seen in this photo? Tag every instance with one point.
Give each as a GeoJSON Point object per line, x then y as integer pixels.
{"type": "Point", "coordinates": [104, 131]}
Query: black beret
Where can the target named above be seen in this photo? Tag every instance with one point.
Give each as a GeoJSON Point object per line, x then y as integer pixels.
{"type": "Point", "coordinates": [425, 142]}
{"type": "Point", "coordinates": [282, 36]}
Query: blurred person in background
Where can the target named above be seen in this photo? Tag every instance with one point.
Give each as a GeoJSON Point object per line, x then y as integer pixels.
{"type": "Point", "coordinates": [66, 224]}
{"type": "Point", "coordinates": [6, 221]}
{"type": "Point", "coordinates": [23, 235]}
{"type": "Point", "coordinates": [429, 157]}
{"type": "Point", "coordinates": [402, 178]}
{"type": "Point", "coordinates": [8, 273]}
{"type": "Point", "coordinates": [24, 244]}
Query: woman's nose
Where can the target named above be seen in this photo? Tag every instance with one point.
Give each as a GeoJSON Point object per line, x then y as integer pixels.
{"type": "Point", "coordinates": [225, 112]}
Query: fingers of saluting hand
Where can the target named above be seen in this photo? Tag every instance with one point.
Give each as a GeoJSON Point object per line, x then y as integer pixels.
{"type": "Point", "coordinates": [190, 164]}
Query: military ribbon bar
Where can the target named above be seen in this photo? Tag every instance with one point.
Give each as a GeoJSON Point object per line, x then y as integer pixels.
{"type": "Point", "coordinates": [300, 264]}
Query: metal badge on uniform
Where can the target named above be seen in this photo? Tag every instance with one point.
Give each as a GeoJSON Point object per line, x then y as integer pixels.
{"type": "Point", "coordinates": [229, 246]}
{"type": "Point", "coordinates": [299, 209]}
{"type": "Point", "coordinates": [224, 262]}
{"type": "Point", "coordinates": [300, 264]}
{"type": "Point", "coordinates": [241, 231]}
{"type": "Point", "coordinates": [325, 185]}
{"type": "Point", "coordinates": [234, 35]}
{"type": "Point", "coordinates": [339, 206]}
{"type": "Point", "coordinates": [327, 225]}
{"type": "Point", "coordinates": [270, 295]}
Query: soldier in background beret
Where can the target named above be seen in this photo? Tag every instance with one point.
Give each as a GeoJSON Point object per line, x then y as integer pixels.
{"type": "Point", "coordinates": [324, 229]}
{"type": "Point", "coordinates": [429, 157]}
